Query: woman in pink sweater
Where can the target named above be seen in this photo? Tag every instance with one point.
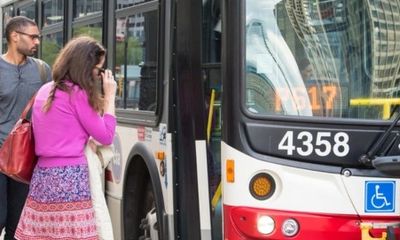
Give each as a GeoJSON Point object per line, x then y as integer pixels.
{"type": "Point", "coordinates": [65, 114]}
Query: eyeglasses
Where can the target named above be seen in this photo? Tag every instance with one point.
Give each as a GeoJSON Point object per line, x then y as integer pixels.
{"type": "Point", "coordinates": [32, 36]}
{"type": "Point", "coordinates": [101, 70]}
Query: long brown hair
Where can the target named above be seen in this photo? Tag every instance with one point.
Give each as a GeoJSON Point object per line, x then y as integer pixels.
{"type": "Point", "coordinates": [75, 63]}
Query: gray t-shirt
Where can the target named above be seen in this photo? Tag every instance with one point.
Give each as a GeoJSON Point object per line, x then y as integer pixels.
{"type": "Point", "coordinates": [18, 83]}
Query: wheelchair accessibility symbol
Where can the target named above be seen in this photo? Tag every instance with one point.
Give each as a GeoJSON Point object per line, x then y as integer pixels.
{"type": "Point", "coordinates": [379, 196]}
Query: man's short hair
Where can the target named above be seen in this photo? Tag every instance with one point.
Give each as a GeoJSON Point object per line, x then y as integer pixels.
{"type": "Point", "coordinates": [17, 23]}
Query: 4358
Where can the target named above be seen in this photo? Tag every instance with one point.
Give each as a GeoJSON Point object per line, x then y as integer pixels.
{"type": "Point", "coordinates": [322, 143]}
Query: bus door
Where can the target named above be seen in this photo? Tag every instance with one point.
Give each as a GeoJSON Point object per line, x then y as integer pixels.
{"type": "Point", "coordinates": [211, 77]}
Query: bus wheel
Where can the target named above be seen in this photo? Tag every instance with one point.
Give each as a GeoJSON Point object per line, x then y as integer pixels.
{"type": "Point", "coordinates": [149, 221]}
{"type": "Point", "coordinates": [139, 203]}
{"type": "Point", "coordinates": [149, 226]}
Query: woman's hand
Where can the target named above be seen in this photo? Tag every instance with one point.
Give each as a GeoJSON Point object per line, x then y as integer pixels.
{"type": "Point", "coordinates": [109, 84]}
{"type": "Point", "coordinates": [109, 88]}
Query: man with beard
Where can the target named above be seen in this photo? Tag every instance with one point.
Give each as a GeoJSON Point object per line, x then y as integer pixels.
{"type": "Point", "coordinates": [20, 78]}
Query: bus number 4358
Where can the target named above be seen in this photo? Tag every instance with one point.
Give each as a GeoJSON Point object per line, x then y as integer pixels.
{"type": "Point", "coordinates": [322, 145]}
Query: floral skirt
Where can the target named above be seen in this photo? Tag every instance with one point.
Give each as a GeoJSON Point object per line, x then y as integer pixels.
{"type": "Point", "coordinates": [58, 206]}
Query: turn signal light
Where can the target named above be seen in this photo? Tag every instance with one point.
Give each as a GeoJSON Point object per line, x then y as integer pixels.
{"type": "Point", "coordinates": [262, 186]}
{"type": "Point", "coordinates": [230, 170]}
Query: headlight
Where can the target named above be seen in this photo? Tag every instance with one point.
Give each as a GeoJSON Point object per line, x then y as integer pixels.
{"type": "Point", "coordinates": [265, 225]}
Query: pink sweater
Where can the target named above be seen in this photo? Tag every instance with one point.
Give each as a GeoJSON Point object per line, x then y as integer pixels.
{"type": "Point", "coordinates": [62, 133]}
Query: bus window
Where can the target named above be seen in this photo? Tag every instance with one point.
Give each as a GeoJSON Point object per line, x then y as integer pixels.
{"type": "Point", "coordinates": [136, 61]}
{"type": "Point", "coordinates": [87, 7]}
{"type": "Point", "coordinates": [8, 12]}
{"type": "Point", "coordinates": [53, 12]}
{"type": "Point", "coordinates": [344, 69]}
{"type": "Point", "coordinates": [128, 3]}
{"type": "Point", "coordinates": [94, 30]}
{"type": "Point", "coordinates": [51, 44]}
{"type": "Point", "coordinates": [83, 25]}
{"type": "Point", "coordinates": [28, 10]}
{"type": "Point", "coordinates": [52, 20]}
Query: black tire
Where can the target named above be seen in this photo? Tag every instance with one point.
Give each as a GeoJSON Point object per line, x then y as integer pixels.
{"type": "Point", "coordinates": [138, 199]}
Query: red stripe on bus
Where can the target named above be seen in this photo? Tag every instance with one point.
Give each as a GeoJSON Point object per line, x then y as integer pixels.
{"type": "Point", "coordinates": [241, 223]}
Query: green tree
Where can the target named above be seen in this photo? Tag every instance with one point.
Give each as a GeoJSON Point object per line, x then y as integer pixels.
{"type": "Point", "coordinates": [134, 52]}
{"type": "Point", "coordinates": [50, 49]}
{"type": "Point", "coordinates": [92, 31]}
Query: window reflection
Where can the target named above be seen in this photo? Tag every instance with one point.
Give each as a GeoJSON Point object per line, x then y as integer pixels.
{"type": "Point", "coordinates": [129, 3]}
{"type": "Point", "coordinates": [8, 12]}
{"type": "Point", "coordinates": [136, 61]}
{"type": "Point", "coordinates": [51, 44]}
{"type": "Point", "coordinates": [211, 32]}
{"type": "Point", "coordinates": [341, 49]}
{"type": "Point", "coordinates": [53, 12]}
{"type": "Point", "coordinates": [28, 11]}
{"type": "Point", "coordinates": [87, 7]}
{"type": "Point", "coordinates": [269, 69]}
{"type": "Point", "coordinates": [94, 30]}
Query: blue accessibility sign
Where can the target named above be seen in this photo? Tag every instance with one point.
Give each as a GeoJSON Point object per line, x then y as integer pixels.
{"type": "Point", "coordinates": [380, 196]}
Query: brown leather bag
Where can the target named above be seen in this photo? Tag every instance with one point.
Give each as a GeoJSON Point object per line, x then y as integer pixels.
{"type": "Point", "coordinates": [17, 154]}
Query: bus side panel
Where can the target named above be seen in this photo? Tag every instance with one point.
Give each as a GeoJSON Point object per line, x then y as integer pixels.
{"type": "Point", "coordinates": [114, 207]}
{"type": "Point", "coordinates": [157, 144]}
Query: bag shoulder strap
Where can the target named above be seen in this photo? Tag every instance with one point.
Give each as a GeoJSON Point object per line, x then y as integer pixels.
{"type": "Point", "coordinates": [28, 107]}
{"type": "Point", "coordinates": [43, 77]}
{"type": "Point", "coordinates": [42, 69]}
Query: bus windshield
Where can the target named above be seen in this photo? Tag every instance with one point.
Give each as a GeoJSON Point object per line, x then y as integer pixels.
{"type": "Point", "coordinates": [327, 58]}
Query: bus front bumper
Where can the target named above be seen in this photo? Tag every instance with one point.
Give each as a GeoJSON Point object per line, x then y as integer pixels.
{"type": "Point", "coordinates": [243, 223]}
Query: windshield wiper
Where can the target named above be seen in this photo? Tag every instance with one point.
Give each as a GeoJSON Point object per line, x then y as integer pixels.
{"type": "Point", "coordinates": [386, 164]}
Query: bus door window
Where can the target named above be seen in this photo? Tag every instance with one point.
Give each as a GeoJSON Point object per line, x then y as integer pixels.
{"type": "Point", "coordinates": [211, 77]}
{"type": "Point", "coordinates": [211, 71]}
{"type": "Point", "coordinates": [211, 58]}
{"type": "Point", "coordinates": [212, 98]}
{"type": "Point", "coordinates": [211, 31]}
{"type": "Point", "coordinates": [136, 60]}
